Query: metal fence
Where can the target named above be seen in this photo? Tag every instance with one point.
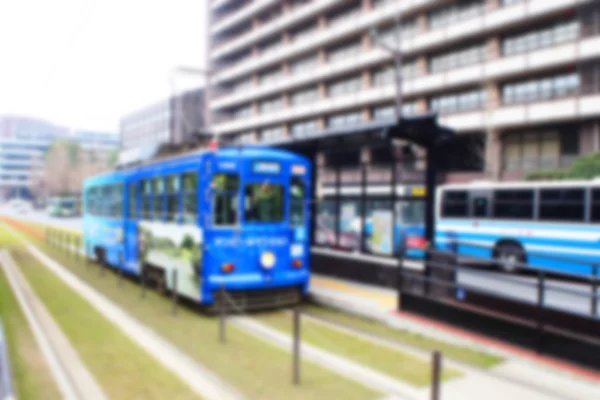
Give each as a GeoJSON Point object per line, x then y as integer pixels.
{"type": "Point", "coordinates": [545, 306]}
{"type": "Point", "coordinates": [6, 388]}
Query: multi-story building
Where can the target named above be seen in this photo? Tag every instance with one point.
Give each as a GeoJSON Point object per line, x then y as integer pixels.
{"type": "Point", "coordinates": [520, 76]}
{"type": "Point", "coordinates": [23, 143]}
{"type": "Point", "coordinates": [175, 121]}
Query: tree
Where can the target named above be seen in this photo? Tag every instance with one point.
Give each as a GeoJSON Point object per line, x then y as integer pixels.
{"type": "Point", "coordinates": [584, 167]}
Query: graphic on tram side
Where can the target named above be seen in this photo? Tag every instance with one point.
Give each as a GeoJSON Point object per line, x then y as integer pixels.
{"type": "Point", "coordinates": [172, 246]}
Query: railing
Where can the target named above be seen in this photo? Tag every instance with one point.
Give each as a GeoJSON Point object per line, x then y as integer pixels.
{"type": "Point", "coordinates": [6, 388]}
{"type": "Point", "coordinates": [549, 301]}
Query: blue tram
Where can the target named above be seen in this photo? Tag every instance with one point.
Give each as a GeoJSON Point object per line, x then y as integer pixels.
{"type": "Point", "coordinates": [235, 219]}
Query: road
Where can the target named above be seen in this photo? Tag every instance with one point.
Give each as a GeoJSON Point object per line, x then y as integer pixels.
{"type": "Point", "coordinates": [564, 296]}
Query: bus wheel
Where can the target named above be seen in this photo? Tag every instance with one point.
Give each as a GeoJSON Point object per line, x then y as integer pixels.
{"type": "Point", "coordinates": [509, 256]}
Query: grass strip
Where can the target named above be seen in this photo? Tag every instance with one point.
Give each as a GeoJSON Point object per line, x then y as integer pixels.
{"type": "Point", "coordinates": [31, 374]}
{"type": "Point", "coordinates": [397, 364]}
{"type": "Point", "coordinates": [123, 370]}
{"type": "Point", "coordinates": [459, 353]}
{"type": "Point", "coordinates": [256, 368]}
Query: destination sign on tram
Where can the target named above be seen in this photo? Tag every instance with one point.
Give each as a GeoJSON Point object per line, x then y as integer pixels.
{"type": "Point", "coordinates": [265, 167]}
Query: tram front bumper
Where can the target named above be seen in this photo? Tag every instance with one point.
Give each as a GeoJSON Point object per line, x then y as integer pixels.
{"type": "Point", "coordinates": [257, 280]}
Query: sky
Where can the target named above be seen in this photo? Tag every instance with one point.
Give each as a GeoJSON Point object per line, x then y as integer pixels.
{"type": "Point", "coordinates": [84, 63]}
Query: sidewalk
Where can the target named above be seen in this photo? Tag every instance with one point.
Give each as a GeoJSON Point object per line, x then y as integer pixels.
{"type": "Point", "coordinates": [557, 379]}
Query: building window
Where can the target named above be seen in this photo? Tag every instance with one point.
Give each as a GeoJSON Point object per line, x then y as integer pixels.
{"type": "Point", "coordinates": [350, 11]}
{"type": "Point", "coordinates": [344, 86]}
{"type": "Point", "coordinates": [270, 76]}
{"type": "Point", "coordinates": [243, 84]}
{"type": "Point", "coordinates": [558, 33]}
{"type": "Point", "coordinates": [384, 76]}
{"type": "Point", "coordinates": [270, 45]}
{"type": "Point", "coordinates": [271, 105]}
{"type": "Point", "coordinates": [391, 33]}
{"type": "Point", "coordinates": [346, 119]}
{"type": "Point", "coordinates": [245, 138]}
{"type": "Point", "coordinates": [388, 111]}
{"type": "Point", "coordinates": [344, 51]}
{"type": "Point", "coordinates": [305, 128]}
{"type": "Point", "coordinates": [303, 31]}
{"type": "Point", "coordinates": [540, 150]}
{"type": "Point", "coordinates": [242, 112]}
{"type": "Point", "coordinates": [465, 101]}
{"type": "Point", "coordinates": [541, 89]}
{"type": "Point", "coordinates": [271, 134]}
{"type": "Point", "coordinates": [304, 96]}
{"type": "Point", "coordinates": [459, 11]}
{"type": "Point", "coordinates": [304, 64]}
{"type": "Point", "coordinates": [459, 58]}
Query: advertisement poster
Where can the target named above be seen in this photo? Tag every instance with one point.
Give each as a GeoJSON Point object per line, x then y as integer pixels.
{"type": "Point", "coordinates": [381, 241]}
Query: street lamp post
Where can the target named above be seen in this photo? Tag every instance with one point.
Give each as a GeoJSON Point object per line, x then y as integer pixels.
{"type": "Point", "coordinates": [396, 52]}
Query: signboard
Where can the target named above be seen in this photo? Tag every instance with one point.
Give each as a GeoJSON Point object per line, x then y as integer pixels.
{"type": "Point", "coordinates": [382, 232]}
{"type": "Point", "coordinates": [265, 167]}
{"type": "Point", "coordinates": [298, 170]}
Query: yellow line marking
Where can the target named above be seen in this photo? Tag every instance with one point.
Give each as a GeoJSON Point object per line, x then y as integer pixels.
{"type": "Point", "coordinates": [385, 300]}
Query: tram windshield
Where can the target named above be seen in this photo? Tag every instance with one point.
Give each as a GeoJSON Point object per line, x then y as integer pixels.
{"type": "Point", "coordinates": [264, 203]}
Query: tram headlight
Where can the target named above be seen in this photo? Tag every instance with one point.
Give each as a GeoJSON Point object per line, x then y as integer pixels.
{"type": "Point", "coordinates": [267, 260]}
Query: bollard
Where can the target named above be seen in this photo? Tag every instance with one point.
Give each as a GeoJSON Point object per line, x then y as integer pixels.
{"type": "Point", "coordinates": [174, 291]}
{"type": "Point", "coordinates": [143, 278]}
{"type": "Point", "coordinates": [296, 348]}
{"type": "Point", "coordinates": [120, 272]}
{"type": "Point", "coordinates": [436, 374]}
{"type": "Point", "coordinates": [222, 316]}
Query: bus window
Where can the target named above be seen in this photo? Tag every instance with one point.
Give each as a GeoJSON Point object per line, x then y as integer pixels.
{"type": "Point", "coordinates": [89, 203]}
{"type": "Point", "coordinates": [146, 199]}
{"type": "Point", "coordinates": [190, 196]}
{"type": "Point", "coordinates": [158, 190]}
{"type": "Point", "coordinates": [513, 204]}
{"type": "Point", "coordinates": [118, 201]}
{"type": "Point", "coordinates": [595, 206]}
{"type": "Point", "coordinates": [132, 213]}
{"type": "Point", "coordinates": [480, 206]}
{"type": "Point", "coordinates": [263, 203]}
{"type": "Point", "coordinates": [225, 199]}
{"type": "Point", "coordinates": [454, 204]}
{"type": "Point", "coordinates": [297, 198]}
{"type": "Point", "coordinates": [172, 197]}
{"type": "Point", "coordinates": [562, 205]}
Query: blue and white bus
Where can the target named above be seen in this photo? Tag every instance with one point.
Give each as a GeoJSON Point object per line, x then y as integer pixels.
{"type": "Point", "coordinates": [234, 219]}
{"type": "Point", "coordinates": [550, 225]}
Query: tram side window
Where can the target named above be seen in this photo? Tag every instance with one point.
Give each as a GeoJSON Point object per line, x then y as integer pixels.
{"type": "Point", "coordinates": [89, 201]}
{"type": "Point", "coordinates": [595, 211]}
{"type": "Point", "coordinates": [562, 205]}
{"type": "Point", "coordinates": [172, 197]}
{"type": "Point", "coordinates": [146, 199]}
{"type": "Point", "coordinates": [158, 198]}
{"type": "Point", "coordinates": [117, 201]}
{"type": "Point", "coordinates": [190, 197]}
{"type": "Point", "coordinates": [132, 198]}
{"type": "Point", "coordinates": [106, 201]}
{"type": "Point", "coordinates": [297, 196]}
{"type": "Point", "coordinates": [455, 204]}
{"type": "Point", "coordinates": [513, 204]}
{"type": "Point", "coordinates": [225, 199]}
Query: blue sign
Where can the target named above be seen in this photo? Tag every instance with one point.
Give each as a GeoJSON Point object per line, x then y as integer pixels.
{"type": "Point", "coordinates": [264, 167]}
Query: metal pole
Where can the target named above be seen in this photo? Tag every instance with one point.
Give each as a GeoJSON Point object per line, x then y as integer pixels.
{"type": "Point", "coordinates": [222, 315]}
{"type": "Point", "coordinates": [143, 278]}
{"type": "Point", "coordinates": [436, 374]}
{"type": "Point", "coordinates": [120, 272]}
{"type": "Point", "coordinates": [594, 305]}
{"type": "Point", "coordinates": [174, 292]}
{"type": "Point", "coordinates": [296, 344]}
{"type": "Point", "coordinates": [540, 304]}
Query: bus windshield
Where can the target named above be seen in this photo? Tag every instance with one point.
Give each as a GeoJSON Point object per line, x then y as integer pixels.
{"type": "Point", "coordinates": [263, 203]}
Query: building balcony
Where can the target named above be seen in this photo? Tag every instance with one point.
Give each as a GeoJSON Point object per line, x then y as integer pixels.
{"type": "Point", "coordinates": [539, 112]}
{"type": "Point", "coordinates": [245, 13]}
{"type": "Point", "coordinates": [501, 68]}
{"type": "Point", "coordinates": [477, 26]}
